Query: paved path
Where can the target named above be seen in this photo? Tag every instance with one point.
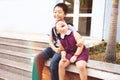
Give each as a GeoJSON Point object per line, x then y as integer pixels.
{"type": "Point", "coordinates": [89, 41]}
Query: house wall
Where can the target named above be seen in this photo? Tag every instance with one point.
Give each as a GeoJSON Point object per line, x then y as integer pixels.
{"type": "Point", "coordinates": [37, 16]}
{"type": "Point", "coordinates": [107, 19]}
{"type": "Point", "coordinates": [26, 15]}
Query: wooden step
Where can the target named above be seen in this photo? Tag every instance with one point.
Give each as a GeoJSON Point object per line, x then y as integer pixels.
{"type": "Point", "coordinates": [25, 36]}
{"type": "Point", "coordinates": [15, 56]}
{"type": "Point", "coordinates": [2, 78]}
{"type": "Point", "coordinates": [16, 67]}
{"type": "Point", "coordinates": [5, 75]}
{"type": "Point", "coordinates": [24, 42]}
{"type": "Point", "coordinates": [20, 48]}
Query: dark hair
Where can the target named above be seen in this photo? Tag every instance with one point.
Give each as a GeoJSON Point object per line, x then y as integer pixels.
{"type": "Point", "coordinates": [63, 6]}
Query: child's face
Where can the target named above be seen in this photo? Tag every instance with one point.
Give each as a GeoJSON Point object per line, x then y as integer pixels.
{"type": "Point", "coordinates": [59, 14]}
{"type": "Point", "coordinates": [61, 27]}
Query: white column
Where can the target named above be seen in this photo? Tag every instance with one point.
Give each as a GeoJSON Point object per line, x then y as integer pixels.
{"type": "Point", "coordinates": [76, 13]}
{"type": "Point", "coordinates": [97, 18]}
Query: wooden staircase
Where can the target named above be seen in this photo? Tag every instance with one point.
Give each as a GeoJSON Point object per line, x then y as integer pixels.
{"type": "Point", "coordinates": [18, 50]}
{"type": "Point", "coordinates": [15, 57]}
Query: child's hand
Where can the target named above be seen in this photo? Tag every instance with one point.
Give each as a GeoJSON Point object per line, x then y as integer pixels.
{"type": "Point", "coordinates": [73, 59]}
{"type": "Point", "coordinates": [63, 54]}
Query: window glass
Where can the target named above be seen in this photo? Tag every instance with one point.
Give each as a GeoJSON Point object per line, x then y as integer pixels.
{"type": "Point", "coordinates": [85, 6]}
{"type": "Point", "coordinates": [70, 4]}
{"type": "Point", "coordinates": [69, 19]}
{"type": "Point", "coordinates": [82, 22]}
{"type": "Point", "coordinates": [84, 26]}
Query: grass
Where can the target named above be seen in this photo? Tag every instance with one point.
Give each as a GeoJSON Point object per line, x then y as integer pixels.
{"type": "Point", "coordinates": [97, 52]}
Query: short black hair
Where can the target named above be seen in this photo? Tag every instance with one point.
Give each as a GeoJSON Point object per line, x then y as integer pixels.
{"type": "Point", "coordinates": [63, 6]}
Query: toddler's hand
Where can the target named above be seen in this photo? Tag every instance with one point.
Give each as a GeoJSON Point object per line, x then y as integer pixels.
{"type": "Point", "coordinates": [73, 59]}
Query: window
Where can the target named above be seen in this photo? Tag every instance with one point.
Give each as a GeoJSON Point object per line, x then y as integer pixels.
{"type": "Point", "coordinates": [80, 15]}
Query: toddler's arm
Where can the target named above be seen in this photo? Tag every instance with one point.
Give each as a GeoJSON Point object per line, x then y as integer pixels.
{"type": "Point", "coordinates": [79, 41]}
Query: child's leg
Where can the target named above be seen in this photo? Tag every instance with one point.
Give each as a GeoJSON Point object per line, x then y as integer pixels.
{"type": "Point", "coordinates": [62, 66]}
{"type": "Point", "coordinates": [81, 66]}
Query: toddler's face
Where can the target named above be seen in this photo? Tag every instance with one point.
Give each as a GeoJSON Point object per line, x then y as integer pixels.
{"type": "Point", "coordinates": [61, 27]}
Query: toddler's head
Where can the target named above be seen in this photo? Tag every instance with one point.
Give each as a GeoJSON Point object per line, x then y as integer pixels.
{"type": "Point", "coordinates": [61, 27]}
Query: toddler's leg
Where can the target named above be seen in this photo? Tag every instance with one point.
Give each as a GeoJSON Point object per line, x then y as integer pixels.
{"type": "Point", "coordinates": [81, 66]}
{"type": "Point", "coordinates": [62, 66]}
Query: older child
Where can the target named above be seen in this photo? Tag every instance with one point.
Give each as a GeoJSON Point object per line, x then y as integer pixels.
{"type": "Point", "coordinates": [59, 12]}
{"type": "Point", "coordinates": [70, 52]}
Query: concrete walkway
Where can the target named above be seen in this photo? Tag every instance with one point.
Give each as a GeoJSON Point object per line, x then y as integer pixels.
{"type": "Point", "coordinates": [89, 41]}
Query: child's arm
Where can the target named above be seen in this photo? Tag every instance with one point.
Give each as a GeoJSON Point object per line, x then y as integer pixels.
{"type": "Point", "coordinates": [63, 56]}
{"type": "Point", "coordinates": [60, 46]}
{"type": "Point", "coordinates": [80, 43]}
{"type": "Point", "coordinates": [78, 38]}
{"type": "Point", "coordinates": [63, 52]}
{"type": "Point", "coordinates": [51, 43]}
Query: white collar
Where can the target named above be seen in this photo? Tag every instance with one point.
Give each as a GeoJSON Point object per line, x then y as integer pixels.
{"type": "Point", "coordinates": [67, 33]}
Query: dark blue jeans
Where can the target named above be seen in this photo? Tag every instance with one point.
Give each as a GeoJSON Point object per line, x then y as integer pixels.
{"type": "Point", "coordinates": [44, 56]}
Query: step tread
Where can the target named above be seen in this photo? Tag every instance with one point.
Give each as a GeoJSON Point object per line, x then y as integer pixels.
{"type": "Point", "coordinates": [15, 53]}
{"type": "Point", "coordinates": [12, 76]}
{"type": "Point", "coordinates": [22, 46]}
{"type": "Point", "coordinates": [24, 42]}
{"type": "Point", "coordinates": [10, 63]}
{"type": "Point", "coordinates": [104, 66]}
{"type": "Point", "coordinates": [25, 36]}
{"type": "Point", "coordinates": [97, 65]}
{"type": "Point", "coordinates": [102, 73]}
